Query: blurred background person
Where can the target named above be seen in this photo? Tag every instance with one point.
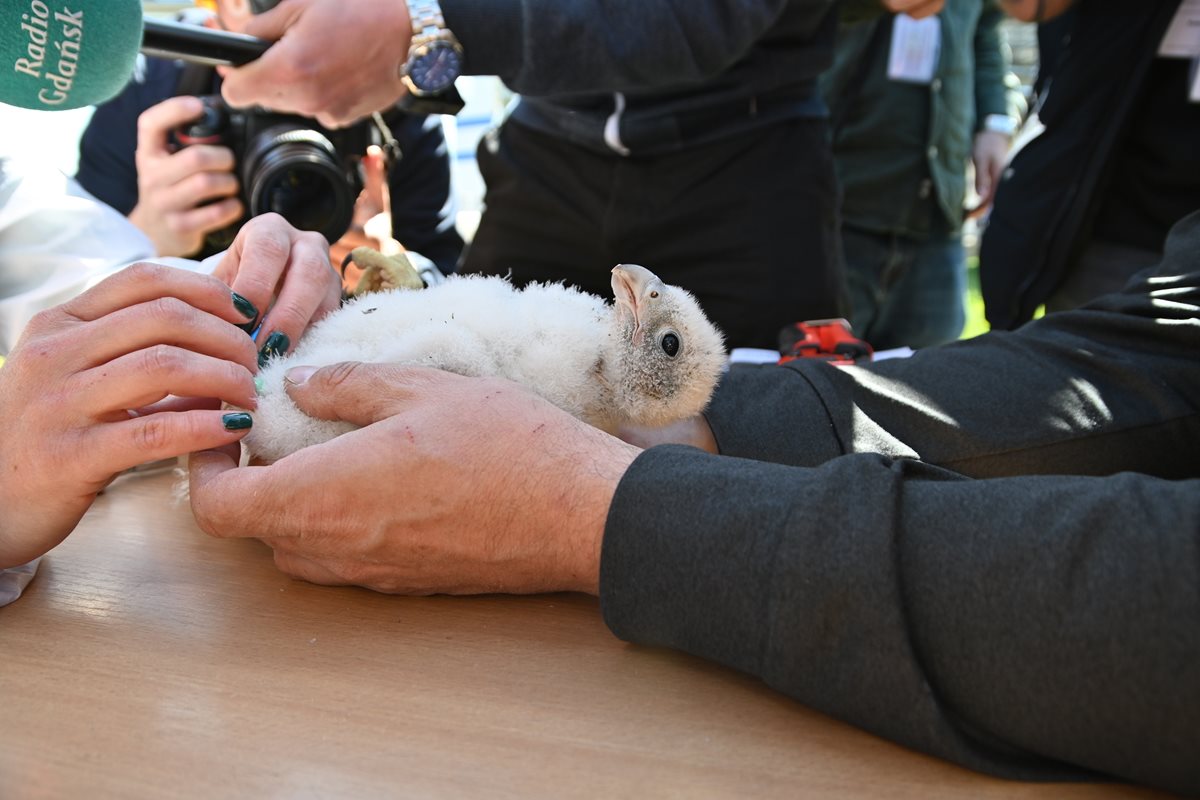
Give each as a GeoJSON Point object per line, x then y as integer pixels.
{"type": "Point", "coordinates": [913, 104]}
{"type": "Point", "coordinates": [190, 200]}
{"type": "Point", "coordinates": [1111, 165]}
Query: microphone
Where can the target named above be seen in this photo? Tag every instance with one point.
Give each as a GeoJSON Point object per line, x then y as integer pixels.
{"type": "Point", "coordinates": [200, 45]}
{"type": "Point", "coordinates": [55, 57]}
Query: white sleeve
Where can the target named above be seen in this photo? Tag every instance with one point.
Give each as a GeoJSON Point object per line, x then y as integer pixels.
{"type": "Point", "coordinates": [14, 580]}
{"type": "Point", "coordinates": [56, 240]}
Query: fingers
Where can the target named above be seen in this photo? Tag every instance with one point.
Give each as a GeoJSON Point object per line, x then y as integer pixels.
{"type": "Point", "coordinates": [142, 283]}
{"type": "Point", "coordinates": [147, 376]}
{"type": "Point", "coordinates": [304, 75]}
{"type": "Point", "coordinates": [356, 392]}
{"type": "Point", "coordinates": [166, 320]}
{"type": "Point", "coordinates": [257, 501]}
{"type": "Point", "coordinates": [270, 254]}
{"type": "Point", "coordinates": [207, 218]}
{"type": "Point", "coordinates": [305, 569]}
{"type": "Point", "coordinates": [215, 485]}
{"type": "Point", "coordinates": [311, 289]}
{"type": "Point", "coordinates": [155, 124]}
{"type": "Point", "coordinates": [178, 404]}
{"type": "Point", "coordinates": [141, 439]}
{"type": "Point", "coordinates": [195, 188]}
{"type": "Point", "coordinates": [274, 68]}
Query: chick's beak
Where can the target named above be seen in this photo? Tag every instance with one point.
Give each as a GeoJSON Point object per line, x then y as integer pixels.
{"type": "Point", "coordinates": [633, 286]}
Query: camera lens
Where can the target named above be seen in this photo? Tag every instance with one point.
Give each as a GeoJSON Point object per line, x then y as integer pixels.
{"type": "Point", "coordinates": [295, 172]}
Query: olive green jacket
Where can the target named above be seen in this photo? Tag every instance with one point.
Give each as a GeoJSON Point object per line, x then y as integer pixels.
{"type": "Point", "coordinates": [902, 148]}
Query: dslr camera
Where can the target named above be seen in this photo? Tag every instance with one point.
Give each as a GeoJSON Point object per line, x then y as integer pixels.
{"type": "Point", "coordinates": [292, 165]}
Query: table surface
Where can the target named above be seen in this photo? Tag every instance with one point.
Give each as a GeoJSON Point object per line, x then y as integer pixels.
{"type": "Point", "coordinates": [149, 660]}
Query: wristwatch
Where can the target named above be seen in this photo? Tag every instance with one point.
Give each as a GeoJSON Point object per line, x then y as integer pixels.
{"type": "Point", "coordinates": [1000, 123]}
{"type": "Point", "coordinates": [435, 56]}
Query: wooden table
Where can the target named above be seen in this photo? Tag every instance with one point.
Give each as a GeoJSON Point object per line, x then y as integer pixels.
{"type": "Point", "coordinates": [149, 660]}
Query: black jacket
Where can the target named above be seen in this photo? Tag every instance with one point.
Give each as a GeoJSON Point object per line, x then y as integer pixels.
{"type": "Point", "coordinates": [1050, 193]}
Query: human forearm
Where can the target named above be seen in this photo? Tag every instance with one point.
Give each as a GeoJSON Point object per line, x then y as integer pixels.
{"type": "Point", "coordinates": [965, 618]}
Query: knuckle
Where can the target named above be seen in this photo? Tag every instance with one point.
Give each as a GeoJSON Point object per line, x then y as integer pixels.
{"type": "Point", "coordinates": [176, 224]}
{"type": "Point", "coordinates": [339, 374]}
{"type": "Point", "coordinates": [192, 159]}
{"type": "Point", "coordinates": [162, 359]}
{"type": "Point", "coordinates": [143, 273]}
{"type": "Point", "coordinates": [269, 244]}
{"type": "Point", "coordinates": [42, 322]}
{"type": "Point", "coordinates": [170, 311]}
{"type": "Point", "coordinates": [152, 435]}
{"type": "Point", "coordinates": [352, 572]}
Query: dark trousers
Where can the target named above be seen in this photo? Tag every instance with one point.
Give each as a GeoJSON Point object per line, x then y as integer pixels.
{"type": "Point", "coordinates": [747, 224]}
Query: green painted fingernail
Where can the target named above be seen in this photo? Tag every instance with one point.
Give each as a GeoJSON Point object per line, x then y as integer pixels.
{"type": "Point", "coordinates": [258, 385]}
{"type": "Point", "coordinates": [237, 422]}
{"type": "Point", "coordinates": [277, 344]}
{"type": "Point", "coordinates": [244, 306]}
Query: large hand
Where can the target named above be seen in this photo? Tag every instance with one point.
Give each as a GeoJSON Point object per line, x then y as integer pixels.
{"type": "Point", "coordinates": [453, 484]}
{"type": "Point", "coordinates": [336, 60]}
{"type": "Point", "coordinates": [287, 271]}
{"type": "Point", "coordinates": [84, 395]}
{"type": "Point", "coordinates": [177, 189]}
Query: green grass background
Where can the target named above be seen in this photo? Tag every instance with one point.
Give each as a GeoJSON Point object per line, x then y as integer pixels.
{"type": "Point", "coordinates": [976, 322]}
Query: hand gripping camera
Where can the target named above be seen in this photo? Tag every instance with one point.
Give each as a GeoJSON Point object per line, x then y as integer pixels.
{"type": "Point", "coordinates": [288, 164]}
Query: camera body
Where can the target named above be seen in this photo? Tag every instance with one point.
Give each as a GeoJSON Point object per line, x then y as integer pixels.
{"type": "Point", "coordinates": [292, 165]}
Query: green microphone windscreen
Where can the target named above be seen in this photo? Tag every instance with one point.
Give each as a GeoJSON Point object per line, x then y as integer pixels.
{"type": "Point", "coordinates": [63, 54]}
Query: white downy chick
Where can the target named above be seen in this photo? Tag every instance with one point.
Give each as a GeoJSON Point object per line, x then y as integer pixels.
{"type": "Point", "coordinates": [651, 358]}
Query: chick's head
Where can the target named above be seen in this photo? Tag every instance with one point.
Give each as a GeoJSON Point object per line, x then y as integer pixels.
{"type": "Point", "coordinates": [667, 356]}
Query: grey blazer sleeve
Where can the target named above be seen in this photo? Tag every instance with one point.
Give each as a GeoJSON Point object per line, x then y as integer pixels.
{"type": "Point", "coordinates": [1028, 625]}
{"type": "Point", "coordinates": [1111, 387]}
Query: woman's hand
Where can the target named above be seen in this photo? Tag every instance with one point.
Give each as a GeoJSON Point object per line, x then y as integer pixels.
{"type": "Point", "coordinates": [284, 273]}
{"type": "Point", "coordinates": [92, 389]}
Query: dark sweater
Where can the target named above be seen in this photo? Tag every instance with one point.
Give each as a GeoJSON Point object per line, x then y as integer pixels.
{"type": "Point", "coordinates": [686, 71]}
{"type": "Point", "coordinates": [989, 552]}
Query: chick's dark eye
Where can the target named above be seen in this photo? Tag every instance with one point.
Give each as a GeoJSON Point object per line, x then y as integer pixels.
{"type": "Point", "coordinates": [670, 344]}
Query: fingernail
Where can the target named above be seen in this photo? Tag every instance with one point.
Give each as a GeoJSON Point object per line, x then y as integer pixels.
{"type": "Point", "coordinates": [277, 344]}
{"type": "Point", "coordinates": [298, 375]}
{"type": "Point", "coordinates": [258, 385]}
{"type": "Point", "coordinates": [237, 422]}
{"type": "Point", "coordinates": [244, 307]}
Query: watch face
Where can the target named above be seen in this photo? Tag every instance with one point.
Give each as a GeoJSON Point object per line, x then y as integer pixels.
{"type": "Point", "coordinates": [434, 69]}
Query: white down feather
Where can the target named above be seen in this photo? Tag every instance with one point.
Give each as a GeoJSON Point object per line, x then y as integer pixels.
{"type": "Point", "coordinates": [560, 342]}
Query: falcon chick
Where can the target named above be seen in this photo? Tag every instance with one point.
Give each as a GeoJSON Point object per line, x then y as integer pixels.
{"type": "Point", "coordinates": [651, 358]}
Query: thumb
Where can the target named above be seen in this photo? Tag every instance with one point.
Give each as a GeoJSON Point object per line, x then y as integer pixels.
{"type": "Point", "coordinates": [352, 391]}
{"type": "Point", "coordinates": [205, 471]}
{"type": "Point", "coordinates": [243, 86]}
